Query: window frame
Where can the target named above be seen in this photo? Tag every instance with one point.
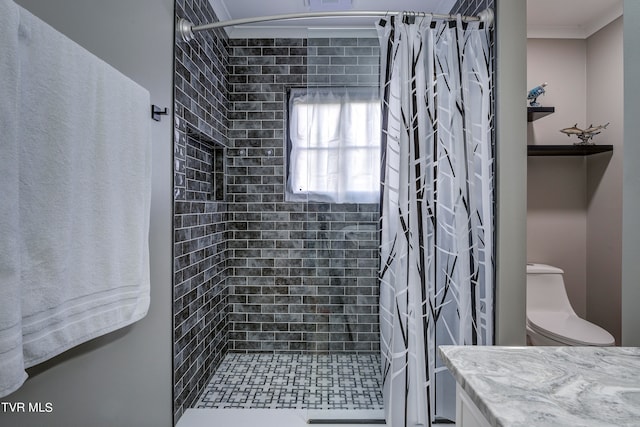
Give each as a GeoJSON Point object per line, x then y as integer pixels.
{"type": "Point", "coordinates": [292, 93]}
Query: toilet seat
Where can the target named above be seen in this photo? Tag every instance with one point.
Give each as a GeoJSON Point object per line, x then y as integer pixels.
{"type": "Point", "coordinates": [568, 328]}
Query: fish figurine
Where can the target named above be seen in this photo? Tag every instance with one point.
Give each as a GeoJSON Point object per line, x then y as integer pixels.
{"type": "Point", "coordinates": [534, 93]}
{"type": "Point", "coordinates": [585, 135]}
{"type": "Point", "coordinates": [594, 130]}
{"type": "Point", "coordinates": [574, 130]}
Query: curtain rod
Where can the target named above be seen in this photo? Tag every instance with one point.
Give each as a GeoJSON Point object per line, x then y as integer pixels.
{"type": "Point", "coordinates": [187, 30]}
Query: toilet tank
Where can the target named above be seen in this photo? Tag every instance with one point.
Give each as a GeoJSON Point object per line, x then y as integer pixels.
{"type": "Point", "coordinates": [545, 289]}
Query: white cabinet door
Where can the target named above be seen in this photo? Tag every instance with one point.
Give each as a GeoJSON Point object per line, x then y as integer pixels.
{"type": "Point", "coordinates": [467, 413]}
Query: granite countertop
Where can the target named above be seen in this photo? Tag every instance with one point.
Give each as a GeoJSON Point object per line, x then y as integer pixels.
{"type": "Point", "coordinates": [550, 386]}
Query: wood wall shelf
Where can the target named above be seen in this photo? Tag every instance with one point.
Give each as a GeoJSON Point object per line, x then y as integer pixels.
{"type": "Point", "coordinates": [567, 150]}
{"type": "Point", "coordinates": [535, 113]}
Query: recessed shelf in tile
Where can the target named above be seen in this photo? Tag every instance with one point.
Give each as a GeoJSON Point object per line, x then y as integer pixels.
{"type": "Point", "coordinates": [205, 163]}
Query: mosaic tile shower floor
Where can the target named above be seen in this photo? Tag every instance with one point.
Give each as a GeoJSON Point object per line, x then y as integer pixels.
{"type": "Point", "coordinates": [295, 381]}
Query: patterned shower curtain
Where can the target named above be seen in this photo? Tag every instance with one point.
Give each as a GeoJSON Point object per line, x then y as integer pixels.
{"type": "Point", "coordinates": [437, 203]}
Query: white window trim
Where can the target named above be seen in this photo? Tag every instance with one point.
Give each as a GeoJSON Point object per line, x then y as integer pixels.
{"type": "Point", "coordinates": [362, 169]}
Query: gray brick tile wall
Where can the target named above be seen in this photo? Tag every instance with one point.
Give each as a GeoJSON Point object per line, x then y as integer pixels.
{"type": "Point", "coordinates": [200, 304]}
{"type": "Point", "coordinates": [308, 269]}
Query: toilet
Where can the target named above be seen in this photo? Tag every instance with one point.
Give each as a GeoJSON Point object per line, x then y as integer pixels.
{"type": "Point", "coordinates": [551, 320]}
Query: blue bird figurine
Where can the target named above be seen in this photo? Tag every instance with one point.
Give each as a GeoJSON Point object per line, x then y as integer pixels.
{"type": "Point", "coordinates": [535, 93]}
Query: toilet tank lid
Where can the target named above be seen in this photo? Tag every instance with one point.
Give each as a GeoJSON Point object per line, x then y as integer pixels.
{"type": "Point", "coordinates": [533, 268]}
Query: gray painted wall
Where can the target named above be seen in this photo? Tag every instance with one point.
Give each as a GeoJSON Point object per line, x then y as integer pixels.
{"type": "Point", "coordinates": [631, 178]}
{"type": "Point", "coordinates": [124, 378]}
{"type": "Point", "coordinates": [511, 258]}
{"type": "Point", "coordinates": [605, 103]}
{"type": "Point", "coordinates": [556, 186]}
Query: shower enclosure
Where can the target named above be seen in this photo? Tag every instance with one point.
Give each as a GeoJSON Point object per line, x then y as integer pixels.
{"type": "Point", "coordinates": [276, 296]}
{"type": "Point", "coordinates": [302, 299]}
{"type": "Point", "coordinates": [270, 286]}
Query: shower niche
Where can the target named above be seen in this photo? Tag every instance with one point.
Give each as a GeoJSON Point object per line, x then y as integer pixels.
{"type": "Point", "coordinates": [204, 168]}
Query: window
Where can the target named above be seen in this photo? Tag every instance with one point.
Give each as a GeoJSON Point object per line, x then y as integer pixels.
{"type": "Point", "coordinates": [334, 145]}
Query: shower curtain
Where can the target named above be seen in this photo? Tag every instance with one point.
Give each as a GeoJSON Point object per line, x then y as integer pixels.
{"type": "Point", "coordinates": [436, 266]}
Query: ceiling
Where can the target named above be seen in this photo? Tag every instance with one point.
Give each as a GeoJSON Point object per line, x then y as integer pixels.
{"type": "Point", "coordinates": [545, 18]}
{"type": "Point", "coordinates": [573, 19]}
{"type": "Point", "coordinates": [237, 9]}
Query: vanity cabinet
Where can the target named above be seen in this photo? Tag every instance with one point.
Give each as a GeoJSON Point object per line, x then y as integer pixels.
{"type": "Point", "coordinates": [545, 386]}
{"type": "Point", "coordinates": [467, 413]}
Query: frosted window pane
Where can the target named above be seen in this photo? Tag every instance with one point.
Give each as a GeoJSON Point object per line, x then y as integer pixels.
{"type": "Point", "coordinates": [334, 145]}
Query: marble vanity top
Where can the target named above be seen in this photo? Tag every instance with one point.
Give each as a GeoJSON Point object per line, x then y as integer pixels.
{"type": "Point", "coordinates": [550, 386]}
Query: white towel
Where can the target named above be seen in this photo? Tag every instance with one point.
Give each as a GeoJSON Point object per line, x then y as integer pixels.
{"type": "Point", "coordinates": [84, 195]}
{"type": "Point", "coordinates": [12, 373]}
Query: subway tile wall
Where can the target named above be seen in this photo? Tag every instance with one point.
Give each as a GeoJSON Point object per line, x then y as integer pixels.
{"type": "Point", "coordinates": [200, 218]}
{"type": "Point", "coordinates": [303, 275]}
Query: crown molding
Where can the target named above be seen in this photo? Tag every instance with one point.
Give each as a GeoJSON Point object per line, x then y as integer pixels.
{"type": "Point", "coordinates": [604, 19]}
{"type": "Point", "coordinates": [583, 31]}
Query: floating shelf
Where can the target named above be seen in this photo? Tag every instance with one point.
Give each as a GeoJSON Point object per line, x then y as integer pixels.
{"type": "Point", "coordinates": [567, 150]}
{"type": "Point", "coordinates": [535, 113]}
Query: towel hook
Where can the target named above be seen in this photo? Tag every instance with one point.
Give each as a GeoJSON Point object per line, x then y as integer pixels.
{"type": "Point", "coordinates": [156, 112]}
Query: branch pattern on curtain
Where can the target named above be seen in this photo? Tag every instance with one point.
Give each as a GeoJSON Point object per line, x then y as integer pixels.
{"type": "Point", "coordinates": [437, 268]}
